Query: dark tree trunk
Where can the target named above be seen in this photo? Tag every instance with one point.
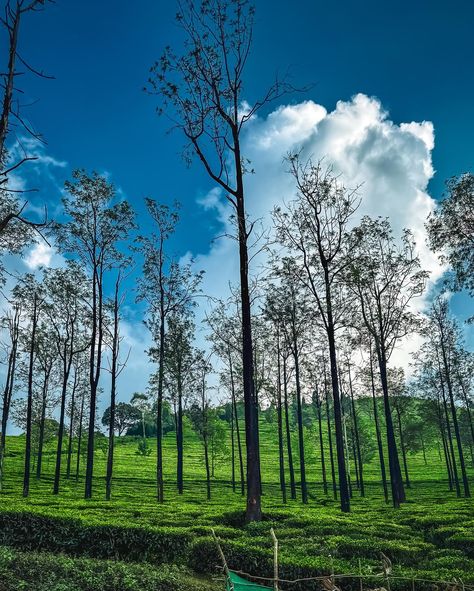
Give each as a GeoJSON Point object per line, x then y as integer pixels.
{"type": "Point", "coordinates": [299, 412]}
{"type": "Point", "coordinates": [113, 391]}
{"type": "Point", "coordinates": [67, 357]}
{"type": "Point", "coordinates": [44, 396]}
{"type": "Point", "coordinates": [357, 439]}
{"type": "Point", "coordinates": [208, 470]}
{"type": "Point", "coordinates": [159, 414]}
{"type": "Point", "coordinates": [341, 461]}
{"type": "Point", "coordinates": [402, 446]}
{"type": "Point", "coordinates": [71, 427]}
{"type": "Point", "coordinates": [79, 437]}
{"type": "Point", "coordinates": [95, 361]}
{"type": "Point", "coordinates": [29, 411]}
{"type": "Point", "coordinates": [454, 468]}
{"type": "Point", "coordinates": [281, 457]}
{"type": "Point", "coordinates": [377, 431]}
{"type": "Point", "coordinates": [319, 403]}
{"type": "Point", "coordinates": [423, 450]}
{"type": "Point", "coordinates": [396, 480]}
{"type": "Point", "coordinates": [345, 439]}
{"type": "Point", "coordinates": [288, 433]}
{"type": "Point", "coordinates": [232, 442]}
{"type": "Point", "coordinates": [468, 408]}
{"type": "Point", "coordinates": [9, 81]}
{"type": "Point", "coordinates": [8, 391]}
{"type": "Point", "coordinates": [328, 420]}
{"type": "Point", "coordinates": [254, 510]}
{"type": "Point", "coordinates": [179, 439]}
{"type": "Point", "coordinates": [237, 428]}
{"type": "Point", "coordinates": [445, 447]}
{"type": "Point", "coordinates": [457, 433]}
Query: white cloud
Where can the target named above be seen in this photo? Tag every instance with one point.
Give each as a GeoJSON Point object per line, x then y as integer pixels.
{"type": "Point", "coordinates": [39, 256]}
{"type": "Point", "coordinates": [391, 161]}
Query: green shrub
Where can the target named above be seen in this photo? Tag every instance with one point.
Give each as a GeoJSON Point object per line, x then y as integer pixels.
{"type": "Point", "coordinates": [30, 531]}
{"type": "Point", "coordinates": [47, 572]}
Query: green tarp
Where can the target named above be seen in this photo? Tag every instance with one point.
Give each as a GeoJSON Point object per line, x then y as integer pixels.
{"type": "Point", "coordinates": [236, 583]}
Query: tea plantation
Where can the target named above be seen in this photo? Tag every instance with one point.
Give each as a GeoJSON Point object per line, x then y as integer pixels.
{"type": "Point", "coordinates": [132, 543]}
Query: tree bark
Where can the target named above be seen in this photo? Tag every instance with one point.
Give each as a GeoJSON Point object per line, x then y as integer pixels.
{"type": "Point", "coordinates": [357, 440]}
{"type": "Point", "coordinates": [29, 411]}
{"type": "Point", "coordinates": [79, 437]}
{"type": "Point", "coordinates": [237, 427]}
{"type": "Point", "coordinates": [71, 428]}
{"type": "Point", "coordinates": [402, 446]}
{"type": "Point", "coordinates": [396, 480]}
{"type": "Point", "coordinates": [377, 431]}
{"type": "Point", "coordinates": [39, 461]}
{"type": "Point", "coordinates": [281, 457]}
{"type": "Point", "coordinates": [8, 391]}
{"type": "Point", "coordinates": [288, 433]}
{"type": "Point", "coordinates": [319, 403]}
{"type": "Point", "coordinates": [328, 420]}
{"type": "Point", "coordinates": [341, 462]}
{"type": "Point", "coordinates": [457, 433]}
{"type": "Point", "coordinates": [299, 412]}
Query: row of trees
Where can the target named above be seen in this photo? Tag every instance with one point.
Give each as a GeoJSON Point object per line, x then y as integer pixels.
{"type": "Point", "coordinates": [336, 301]}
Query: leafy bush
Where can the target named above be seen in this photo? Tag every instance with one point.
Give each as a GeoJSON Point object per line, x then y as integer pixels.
{"type": "Point", "coordinates": [37, 532]}
{"type": "Point", "coordinates": [47, 572]}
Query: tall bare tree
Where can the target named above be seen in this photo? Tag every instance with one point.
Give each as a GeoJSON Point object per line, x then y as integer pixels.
{"type": "Point", "coordinates": [96, 225]}
{"type": "Point", "coordinates": [386, 276]}
{"type": "Point", "coordinates": [202, 91]}
{"type": "Point", "coordinates": [14, 226]}
{"type": "Point", "coordinates": [313, 227]}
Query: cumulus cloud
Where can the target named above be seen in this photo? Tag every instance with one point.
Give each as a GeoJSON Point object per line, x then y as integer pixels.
{"type": "Point", "coordinates": [39, 256]}
{"type": "Point", "coordinates": [391, 162]}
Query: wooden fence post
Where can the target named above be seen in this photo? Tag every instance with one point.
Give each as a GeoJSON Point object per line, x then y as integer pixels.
{"type": "Point", "coordinates": [275, 559]}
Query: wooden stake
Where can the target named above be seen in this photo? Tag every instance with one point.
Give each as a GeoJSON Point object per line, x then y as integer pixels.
{"type": "Point", "coordinates": [275, 559]}
{"type": "Point", "coordinates": [224, 561]}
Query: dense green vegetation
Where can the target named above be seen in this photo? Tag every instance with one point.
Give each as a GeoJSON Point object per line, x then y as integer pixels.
{"type": "Point", "coordinates": [429, 537]}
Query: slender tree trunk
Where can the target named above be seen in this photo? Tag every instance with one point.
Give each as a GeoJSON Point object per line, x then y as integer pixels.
{"type": "Point", "coordinates": [445, 447]}
{"type": "Point", "coordinates": [402, 446]}
{"type": "Point", "coordinates": [423, 450]}
{"type": "Point", "coordinates": [450, 441]}
{"type": "Point", "coordinates": [341, 462]}
{"type": "Point", "coordinates": [281, 457]}
{"type": "Point", "coordinates": [345, 440]}
{"type": "Point", "coordinates": [328, 420]}
{"type": "Point", "coordinates": [79, 437]}
{"type": "Point", "coordinates": [232, 442]}
{"type": "Point", "coordinates": [179, 439]}
{"type": "Point", "coordinates": [8, 391]}
{"type": "Point", "coordinates": [237, 427]}
{"type": "Point", "coordinates": [396, 480]}
{"type": "Point", "coordinates": [113, 391]}
{"type": "Point", "coordinates": [468, 407]}
{"type": "Point", "coordinates": [357, 439]}
{"type": "Point", "coordinates": [288, 433]}
{"type": "Point", "coordinates": [159, 416]}
{"type": "Point", "coordinates": [299, 413]}
{"type": "Point", "coordinates": [378, 432]}
{"type": "Point", "coordinates": [42, 421]}
{"type": "Point", "coordinates": [95, 361]}
{"type": "Point", "coordinates": [10, 79]}
{"type": "Point", "coordinates": [321, 445]}
{"type": "Point", "coordinates": [71, 427]}
{"type": "Point", "coordinates": [254, 511]}
{"type": "Point", "coordinates": [67, 363]}
{"type": "Point", "coordinates": [29, 411]}
{"type": "Point", "coordinates": [457, 433]}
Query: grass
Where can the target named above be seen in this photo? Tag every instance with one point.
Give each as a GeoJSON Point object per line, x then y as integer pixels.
{"type": "Point", "coordinates": [429, 537]}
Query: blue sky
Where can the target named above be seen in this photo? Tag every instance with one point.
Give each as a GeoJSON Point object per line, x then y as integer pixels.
{"type": "Point", "coordinates": [415, 57]}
